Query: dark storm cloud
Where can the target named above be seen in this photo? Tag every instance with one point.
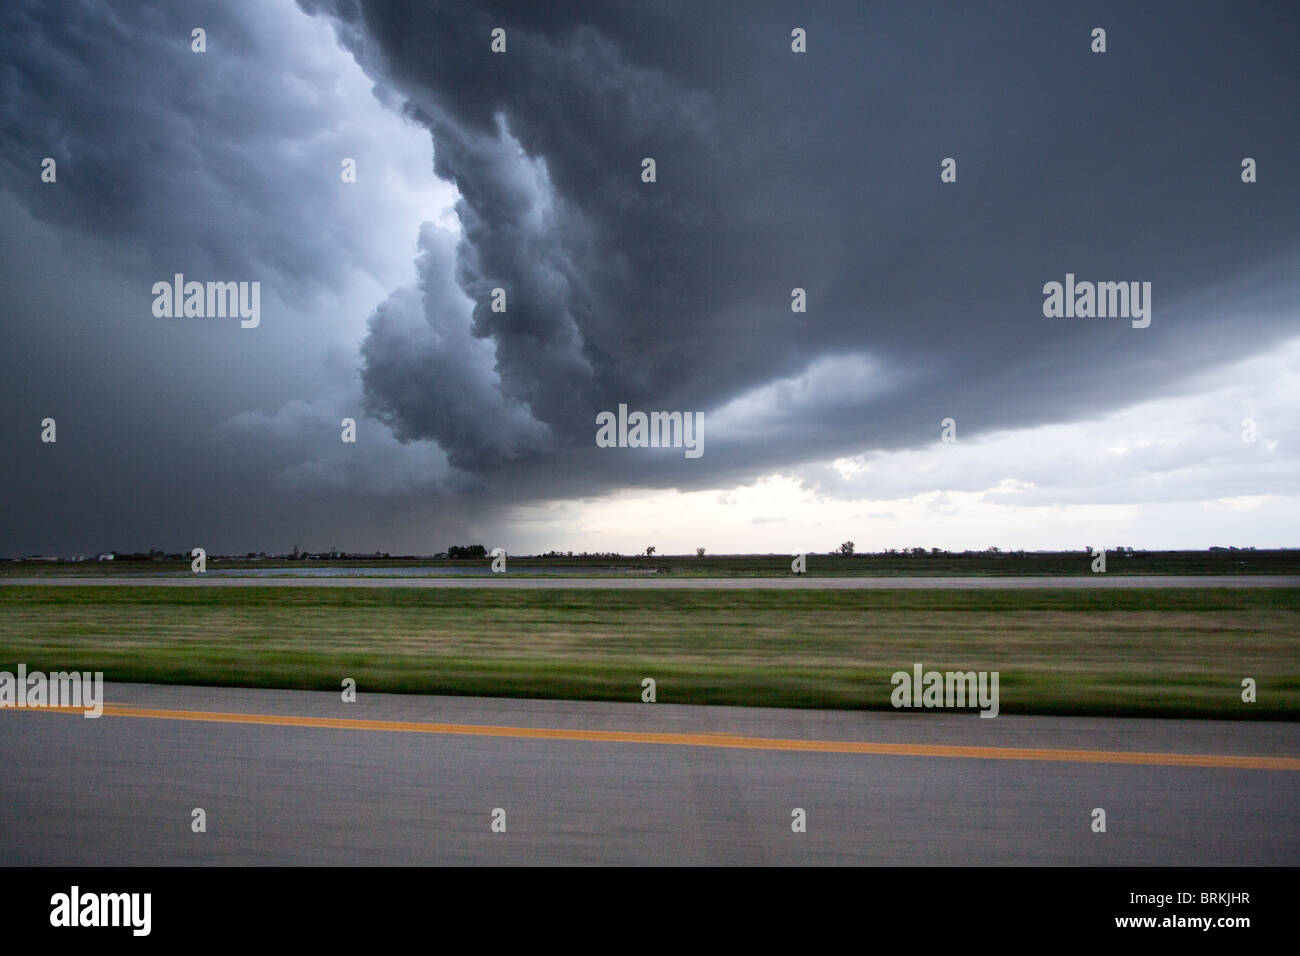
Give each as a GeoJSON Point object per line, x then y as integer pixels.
{"type": "Point", "coordinates": [210, 163]}
{"type": "Point", "coordinates": [775, 170]}
{"type": "Point", "coordinates": [821, 171]}
{"type": "Point", "coordinates": [421, 338]}
{"type": "Point", "coordinates": [223, 166]}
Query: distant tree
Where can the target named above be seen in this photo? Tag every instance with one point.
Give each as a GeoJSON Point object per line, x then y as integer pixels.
{"type": "Point", "coordinates": [650, 550]}
{"type": "Point", "coordinates": [846, 548]}
{"type": "Point", "coordinates": [699, 552]}
{"type": "Point", "coordinates": [467, 552]}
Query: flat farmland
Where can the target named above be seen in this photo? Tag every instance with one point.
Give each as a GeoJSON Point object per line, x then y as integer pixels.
{"type": "Point", "coordinates": [1151, 652]}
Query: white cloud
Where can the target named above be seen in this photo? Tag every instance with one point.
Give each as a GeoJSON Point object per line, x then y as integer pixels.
{"type": "Point", "coordinates": [1184, 478]}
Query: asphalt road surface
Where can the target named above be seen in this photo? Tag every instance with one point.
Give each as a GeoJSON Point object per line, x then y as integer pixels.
{"type": "Point", "coordinates": [727, 584]}
{"type": "Point", "coordinates": [299, 777]}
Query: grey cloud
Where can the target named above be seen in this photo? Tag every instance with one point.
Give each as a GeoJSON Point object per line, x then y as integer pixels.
{"type": "Point", "coordinates": [821, 171]}
{"type": "Point", "coordinates": [428, 377]}
{"type": "Point", "coordinates": [1185, 447]}
{"type": "Point", "coordinates": [157, 146]}
{"type": "Point", "coordinates": [774, 171]}
{"type": "Point", "coordinates": [301, 446]}
{"type": "Point", "coordinates": [223, 165]}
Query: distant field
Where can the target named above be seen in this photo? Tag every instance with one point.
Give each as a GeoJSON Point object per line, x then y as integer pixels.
{"type": "Point", "coordinates": [866, 565]}
{"type": "Point", "coordinates": [1119, 652]}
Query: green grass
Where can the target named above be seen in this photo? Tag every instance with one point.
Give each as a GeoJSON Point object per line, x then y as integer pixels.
{"type": "Point", "coordinates": [1115, 652]}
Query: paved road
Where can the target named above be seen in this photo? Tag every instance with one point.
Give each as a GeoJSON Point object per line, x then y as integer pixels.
{"type": "Point", "coordinates": [728, 584]}
{"type": "Point", "coordinates": [579, 783]}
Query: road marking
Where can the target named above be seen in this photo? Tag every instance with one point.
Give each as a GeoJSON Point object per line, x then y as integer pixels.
{"type": "Point", "coordinates": [734, 741]}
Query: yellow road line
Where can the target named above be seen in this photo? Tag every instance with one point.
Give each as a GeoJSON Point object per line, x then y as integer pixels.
{"type": "Point", "coordinates": [736, 741]}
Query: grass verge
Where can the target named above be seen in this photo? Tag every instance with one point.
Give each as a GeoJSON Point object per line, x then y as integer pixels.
{"type": "Point", "coordinates": [1138, 652]}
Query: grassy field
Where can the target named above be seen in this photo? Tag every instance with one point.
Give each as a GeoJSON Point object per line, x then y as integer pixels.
{"type": "Point", "coordinates": [819, 565]}
{"type": "Point", "coordinates": [1117, 652]}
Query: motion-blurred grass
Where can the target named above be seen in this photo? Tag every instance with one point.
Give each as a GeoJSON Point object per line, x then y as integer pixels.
{"type": "Point", "coordinates": [1140, 652]}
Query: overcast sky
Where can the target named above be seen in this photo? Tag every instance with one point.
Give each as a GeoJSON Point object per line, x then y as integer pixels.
{"type": "Point", "coordinates": [522, 170]}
